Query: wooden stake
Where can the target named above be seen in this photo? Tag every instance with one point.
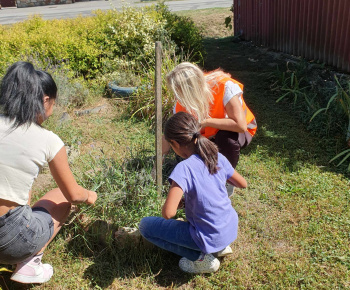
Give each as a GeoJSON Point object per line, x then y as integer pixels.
{"type": "Point", "coordinates": [158, 102]}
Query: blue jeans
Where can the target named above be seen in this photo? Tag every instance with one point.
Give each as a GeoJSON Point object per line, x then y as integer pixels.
{"type": "Point", "coordinates": [171, 235]}
{"type": "Point", "coordinates": [23, 233]}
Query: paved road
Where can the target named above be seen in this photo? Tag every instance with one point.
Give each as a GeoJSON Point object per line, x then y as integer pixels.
{"type": "Point", "coordinates": [12, 15]}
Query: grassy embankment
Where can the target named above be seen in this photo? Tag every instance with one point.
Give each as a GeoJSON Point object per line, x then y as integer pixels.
{"type": "Point", "coordinates": [294, 217]}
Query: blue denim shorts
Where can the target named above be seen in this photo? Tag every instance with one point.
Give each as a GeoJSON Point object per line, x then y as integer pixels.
{"type": "Point", "coordinates": [23, 232]}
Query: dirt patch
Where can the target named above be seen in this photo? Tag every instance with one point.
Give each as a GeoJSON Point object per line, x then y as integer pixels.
{"type": "Point", "coordinates": [43, 184]}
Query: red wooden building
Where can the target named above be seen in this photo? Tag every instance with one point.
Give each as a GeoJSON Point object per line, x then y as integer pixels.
{"type": "Point", "coordinates": [8, 3]}
{"type": "Point", "coordinates": [314, 29]}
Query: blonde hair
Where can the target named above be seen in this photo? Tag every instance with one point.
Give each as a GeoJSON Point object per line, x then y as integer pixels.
{"type": "Point", "coordinates": [193, 89]}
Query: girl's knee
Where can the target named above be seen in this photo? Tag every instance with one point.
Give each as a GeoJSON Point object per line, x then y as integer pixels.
{"type": "Point", "coordinates": [149, 226]}
{"type": "Point", "coordinates": [144, 226]}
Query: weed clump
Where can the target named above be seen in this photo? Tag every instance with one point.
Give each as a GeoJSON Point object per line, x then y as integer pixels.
{"type": "Point", "coordinates": [321, 99]}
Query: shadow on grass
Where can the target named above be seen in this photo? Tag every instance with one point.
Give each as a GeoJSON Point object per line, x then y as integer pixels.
{"type": "Point", "coordinates": [281, 132]}
{"type": "Point", "coordinates": [93, 230]}
{"type": "Point", "coordinates": [7, 284]}
{"type": "Point", "coordinates": [124, 259]}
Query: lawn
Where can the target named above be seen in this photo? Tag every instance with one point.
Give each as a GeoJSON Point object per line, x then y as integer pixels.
{"type": "Point", "coordinates": [294, 228]}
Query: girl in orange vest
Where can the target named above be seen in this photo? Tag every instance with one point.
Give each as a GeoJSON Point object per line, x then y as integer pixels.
{"type": "Point", "coordinates": [216, 100]}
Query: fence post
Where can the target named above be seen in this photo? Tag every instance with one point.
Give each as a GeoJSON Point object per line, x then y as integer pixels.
{"type": "Point", "coordinates": [158, 103]}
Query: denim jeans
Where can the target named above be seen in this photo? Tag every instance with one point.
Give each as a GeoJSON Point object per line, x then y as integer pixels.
{"type": "Point", "coordinates": [23, 232]}
{"type": "Point", "coordinates": [171, 235]}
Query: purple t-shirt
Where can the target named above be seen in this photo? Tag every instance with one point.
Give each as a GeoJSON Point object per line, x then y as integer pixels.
{"type": "Point", "coordinates": [213, 221]}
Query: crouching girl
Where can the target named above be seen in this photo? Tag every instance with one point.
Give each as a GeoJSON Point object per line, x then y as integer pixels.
{"type": "Point", "coordinates": [27, 98]}
{"type": "Point", "coordinates": [212, 223]}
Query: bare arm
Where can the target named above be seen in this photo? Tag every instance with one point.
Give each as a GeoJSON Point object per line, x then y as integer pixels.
{"type": "Point", "coordinates": [235, 122]}
{"type": "Point", "coordinates": [65, 180]}
{"type": "Point", "coordinates": [171, 204]}
{"type": "Point", "coordinates": [238, 180]}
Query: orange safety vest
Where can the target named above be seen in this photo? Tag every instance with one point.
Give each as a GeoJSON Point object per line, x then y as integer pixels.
{"type": "Point", "coordinates": [217, 109]}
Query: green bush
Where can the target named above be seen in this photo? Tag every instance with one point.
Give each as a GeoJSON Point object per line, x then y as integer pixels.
{"type": "Point", "coordinates": [84, 44]}
{"type": "Point", "coordinates": [93, 45]}
{"type": "Point", "coordinates": [126, 192]}
{"type": "Point", "coordinates": [187, 36]}
{"type": "Point", "coordinates": [89, 52]}
{"type": "Point", "coordinates": [142, 102]}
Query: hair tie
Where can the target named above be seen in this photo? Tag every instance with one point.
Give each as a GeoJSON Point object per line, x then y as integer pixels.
{"type": "Point", "coordinates": [196, 135]}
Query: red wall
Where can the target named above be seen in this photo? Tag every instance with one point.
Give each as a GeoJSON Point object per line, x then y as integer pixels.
{"type": "Point", "coordinates": [314, 29]}
{"type": "Point", "coordinates": [7, 3]}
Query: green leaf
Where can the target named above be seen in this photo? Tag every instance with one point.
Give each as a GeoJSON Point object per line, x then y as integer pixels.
{"type": "Point", "coordinates": [317, 112]}
{"type": "Point", "coordinates": [340, 154]}
{"type": "Point", "coordinates": [228, 20]}
{"type": "Point", "coordinates": [281, 98]}
{"type": "Point", "coordinates": [346, 157]}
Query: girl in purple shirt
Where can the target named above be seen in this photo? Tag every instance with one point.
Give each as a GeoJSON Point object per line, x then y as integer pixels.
{"type": "Point", "coordinates": [212, 223]}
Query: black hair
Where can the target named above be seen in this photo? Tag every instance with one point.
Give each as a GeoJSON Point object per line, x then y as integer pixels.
{"type": "Point", "coordinates": [22, 91]}
{"type": "Point", "coordinates": [185, 130]}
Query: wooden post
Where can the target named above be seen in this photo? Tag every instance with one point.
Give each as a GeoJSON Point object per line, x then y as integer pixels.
{"type": "Point", "coordinates": [158, 103]}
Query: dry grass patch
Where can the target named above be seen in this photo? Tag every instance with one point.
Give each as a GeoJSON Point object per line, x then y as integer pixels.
{"type": "Point", "coordinates": [211, 21]}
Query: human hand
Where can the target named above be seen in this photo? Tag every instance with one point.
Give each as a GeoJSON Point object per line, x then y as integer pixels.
{"type": "Point", "coordinates": [204, 124]}
{"type": "Point", "coordinates": [92, 196]}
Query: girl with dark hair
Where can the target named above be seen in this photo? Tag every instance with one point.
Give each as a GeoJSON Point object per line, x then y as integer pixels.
{"type": "Point", "coordinates": [27, 97]}
{"type": "Point", "coordinates": [201, 178]}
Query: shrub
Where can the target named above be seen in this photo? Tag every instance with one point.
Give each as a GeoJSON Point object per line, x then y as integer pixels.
{"type": "Point", "coordinates": [183, 31]}
{"type": "Point", "coordinates": [101, 48]}
{"type": "Point", "coordinates": [142, 102]}
{"type": "Point", "coordinates": [61, 42]}
{"type": "Point", "coordinates": [93, 45]}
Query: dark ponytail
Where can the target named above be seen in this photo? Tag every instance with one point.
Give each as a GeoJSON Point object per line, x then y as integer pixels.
{"type": "Point", "coordinates": [22, 91]}
{"type": "Point", "coordinates": [184, 129]}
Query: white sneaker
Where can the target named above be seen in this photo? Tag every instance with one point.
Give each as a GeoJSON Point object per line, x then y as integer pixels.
{"type": "Point", "coordinates": [225, 252]}
{"type": "Point", "coordinates": [32, 271]}
{"type": "Point", "coordinates": [205, 264]}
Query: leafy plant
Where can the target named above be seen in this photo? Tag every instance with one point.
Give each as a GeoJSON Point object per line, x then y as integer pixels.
{"type": "Point", "coordinates": [308, 91]}
{"type": "Point", "coordinates": [342, 98]}
{"type": "Point", "coordinates": [90, 46]}
{"type": "Point", "coordinates": [292, 88]}
{"type": "Point", "coordinates": [229, 19]}
{"type": "Point", "coordinates": [186, 35]}
{"type": "Point", "coordinates": [347, 152]}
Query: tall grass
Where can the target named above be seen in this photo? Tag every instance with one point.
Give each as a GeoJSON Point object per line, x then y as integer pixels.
{"type": "Point", "coordinates": [126, 193]}
{"type": "Point", "coordinates": [322, 101]}
{"type": "Point", "coordinates": [142, 102]}
{"type": "Point", "coordinates": [341, 98]}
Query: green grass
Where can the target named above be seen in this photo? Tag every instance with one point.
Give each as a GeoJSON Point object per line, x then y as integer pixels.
{"type": "Point", "coordinates": [294, 220]}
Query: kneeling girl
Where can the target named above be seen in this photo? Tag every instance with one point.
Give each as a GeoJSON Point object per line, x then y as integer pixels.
{"type": "Point", "coordinates": [211, 221]}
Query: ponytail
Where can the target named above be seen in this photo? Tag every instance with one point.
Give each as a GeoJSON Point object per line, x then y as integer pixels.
{"type": "Point", "coordinates": [184, 129]}
{"type": "Point", "coordinates": [208, 151]}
